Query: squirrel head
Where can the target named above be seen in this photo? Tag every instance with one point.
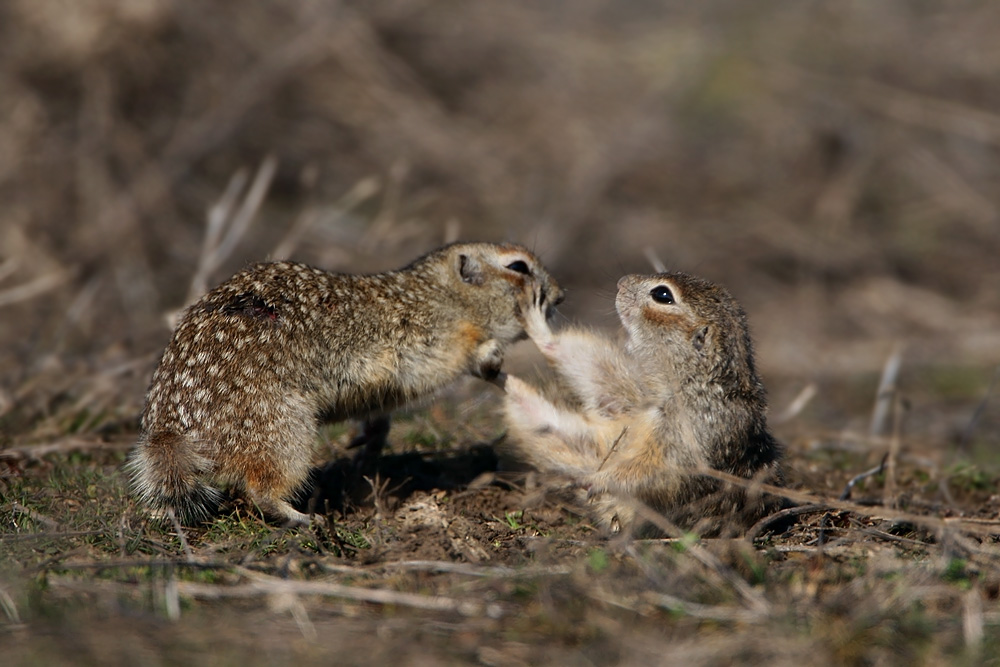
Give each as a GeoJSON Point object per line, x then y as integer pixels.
{"type": "Point", "coordinates": [690, 323]}
{"type": "Point", "coordinates": [489, 281]}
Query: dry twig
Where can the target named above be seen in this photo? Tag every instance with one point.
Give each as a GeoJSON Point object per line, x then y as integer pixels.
{"type": "Point", "coordinates": [261, 585]}
{"type": "Point", "coordinates": [65, 446]}
{"type": "Point", "coordinates": [797, 405]}
{"type": "Point", "coordinates": [614, 446]}
{"type": "Point", "coordinates": [228, 221]}
{"type": "Point", "coordinates": [179, 529]}
{"type": "Point", "coordinates": [35, 516]}
{"type": "Point", "coordinates": [886, 391]}
{"type": "Point", "coordinates": [32, 288]}
{"type": "Point", "coordinates": [470, 569]}
{"type": "Point", "coordinates": [709, 612]}
{"type": "Point", "coordinates": [877, 470]}
{"type": "Point", "coordinates": [982, 527]}
{"type": "Point", "coordinates": [8, 606]}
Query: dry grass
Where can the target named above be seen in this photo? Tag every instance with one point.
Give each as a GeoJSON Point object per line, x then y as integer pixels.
{"type": "Point", "coordinates": [835, 165]}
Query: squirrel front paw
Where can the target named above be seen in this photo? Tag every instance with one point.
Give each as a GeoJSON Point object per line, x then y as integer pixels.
{"type": "Point", "coordinates": [487, 360]}
{"type": "Point", "coordinates": [534, 313]}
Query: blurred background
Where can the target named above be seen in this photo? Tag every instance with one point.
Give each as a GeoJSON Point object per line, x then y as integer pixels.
{"type": "Point", "coordinates": [836, 165]}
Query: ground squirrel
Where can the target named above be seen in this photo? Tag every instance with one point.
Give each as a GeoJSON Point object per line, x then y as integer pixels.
{"type": "Point", "coordinates": [260, 360]}
{"type": "Point", "coordinates": [682, 393]}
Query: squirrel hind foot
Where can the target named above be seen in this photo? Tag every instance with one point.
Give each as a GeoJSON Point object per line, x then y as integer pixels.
{"type": "Point", "coordinates": [281, 509]}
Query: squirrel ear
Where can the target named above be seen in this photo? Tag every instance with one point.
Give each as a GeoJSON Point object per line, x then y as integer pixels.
{"type": "Point", "coordinates": [470, 269]}
{"type": "Point", "coordinates": [698, 340]}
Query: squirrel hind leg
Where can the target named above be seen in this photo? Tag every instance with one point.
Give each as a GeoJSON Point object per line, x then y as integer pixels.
{"type": "Point", "coordinates": [528, 411]}
{"type": "Point", "coordinates": [551, 438]}
{"type": "Point", "coordinates": [269, 488]}
{"type": "Point", "coordinates": [374, 437]}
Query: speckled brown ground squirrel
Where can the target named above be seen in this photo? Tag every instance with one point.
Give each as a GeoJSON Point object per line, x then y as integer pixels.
{"type": "Point", "coordinates": [260, 360]}
{"type": "Point", "coordinates": [682, 393]}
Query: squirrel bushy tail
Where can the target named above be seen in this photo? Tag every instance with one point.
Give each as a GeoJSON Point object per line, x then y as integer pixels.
{"type": "Point", "coordinates": [166, 471]}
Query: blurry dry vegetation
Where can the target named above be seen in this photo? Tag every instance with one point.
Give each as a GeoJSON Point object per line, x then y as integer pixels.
{"type": "Point", "coordinates": [835, 164]}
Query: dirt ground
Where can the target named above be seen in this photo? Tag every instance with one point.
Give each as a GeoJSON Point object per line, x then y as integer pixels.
{"type": "Point", "coordinates": [438, 555]}
{"type": "Point", "coordinates": [833, 164]}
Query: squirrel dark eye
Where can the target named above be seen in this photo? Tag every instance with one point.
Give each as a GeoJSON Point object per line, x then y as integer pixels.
{"type": "Point", "coordinates": [662, 294]}
{"type": "Point", "coordinates": [520, 266]}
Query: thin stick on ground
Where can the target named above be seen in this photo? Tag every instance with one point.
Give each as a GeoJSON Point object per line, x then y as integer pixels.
{"type": "Point", "coordinates": [324, 589]}
{"type": "Point", "coordinates": [157, 563]}
{"type": "Point", "coordinates": [32, 288]}
{"type": "Point", "coordinates": [973, 526]}
{"type": "Point", "coordinates": [877, 470]}
{"type": "Point", "coordinates": [886, 390]}
{"type": "Point", "coordinates": [781, 515]}
{"type": "Point", "coordinates": [35, 516]}
{"type": "Point", "coordinates": [892, 458]}
{"type": "Point", "coordinates": [228, 221]}
{"type": "Point", "coordinates": [654, 260]}
{"type": "Point", "coordinates": [267, 587]}
{"type": "Point", "coordinates": [65, 446]}
{"type": "Point", "coordinates": [180, 534]}
{"type": "Point", "coordinates": [697, 610]}
{"type": "Point", "coordinates": [58, 534]}
{"type": "Point", "coordinates": [972, 619]}
{"type": "Point", "coordinates": [171, 597]}
{"type": "Point", "coordinates": [469, 569]}
{"type": "Point", "coordinates": [262, 585]}
{"type": "Point", "coordinates": [798, 404]}
{"type": "Point", "coordinates": [361, 192]}
{"type": "Point", "coordinates": [9, 607]}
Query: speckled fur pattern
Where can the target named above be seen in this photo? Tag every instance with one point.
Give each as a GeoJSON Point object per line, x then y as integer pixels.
{"type": "Point", "coordinates": [682, 393]}
{"type": "Point", "coordinates": [259, 361]}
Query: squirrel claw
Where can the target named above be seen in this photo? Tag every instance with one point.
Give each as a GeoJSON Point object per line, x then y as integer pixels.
{"type": "Point", "coordinates": [499, 380]}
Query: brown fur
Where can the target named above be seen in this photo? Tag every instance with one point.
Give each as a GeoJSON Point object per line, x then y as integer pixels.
{"type": "Point", "coordinates": [682, 393]}
{"type": "Point", "coordinates": [256, 363]}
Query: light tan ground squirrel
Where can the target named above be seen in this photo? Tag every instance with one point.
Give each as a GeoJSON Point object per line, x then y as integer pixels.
{"type": "Point", "coordinates": [260, 360]}
{"type": "Point", "coordinates": [681, 394]}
